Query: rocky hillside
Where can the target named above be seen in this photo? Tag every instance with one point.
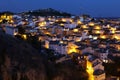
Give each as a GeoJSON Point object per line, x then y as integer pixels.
{"type": "Point", "coordinates": [20, 61]}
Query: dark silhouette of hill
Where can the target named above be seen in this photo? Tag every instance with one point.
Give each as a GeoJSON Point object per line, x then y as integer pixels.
{"type": "Point", "coordinates": [6, 12]}
{"type": "Point", "coordinates": [48, 12]}
{"type": "Point", "coordinates": [20, 61]}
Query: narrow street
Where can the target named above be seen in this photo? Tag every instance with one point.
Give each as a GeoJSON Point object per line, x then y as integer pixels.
{"type": "Point", "coordinates": [90, 70]}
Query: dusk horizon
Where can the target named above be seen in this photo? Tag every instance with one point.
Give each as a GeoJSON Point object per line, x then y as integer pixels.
{"type": "Point", "coordinates": [93, 8]}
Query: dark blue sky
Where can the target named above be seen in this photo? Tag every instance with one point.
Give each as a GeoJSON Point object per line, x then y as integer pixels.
{"type": "Point", "coordinates": [99, 8]}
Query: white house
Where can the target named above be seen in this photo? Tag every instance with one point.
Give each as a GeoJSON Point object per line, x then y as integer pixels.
{"type": "Point", "coordinates": [58, 47]}
{"type": "Point", "coordinates": [41, 18]}
{"type": "Point", "coordinates": [73, 25]}
{"type": "Point", "coordinates": [11, 30]}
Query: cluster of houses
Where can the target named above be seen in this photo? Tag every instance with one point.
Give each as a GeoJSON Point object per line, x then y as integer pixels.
{"type": "Point", "coordinates": [68, 35]}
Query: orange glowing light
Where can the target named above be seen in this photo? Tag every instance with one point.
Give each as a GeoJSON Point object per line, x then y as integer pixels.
{"type": "Point", "coordinates": [75, 30]}
{"type": "Point", "coordinates": [91, 24]}
{"type": "Point", "coordinates": [90, 70]}
{"type": "Point", "coordinates": [72, 48]}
